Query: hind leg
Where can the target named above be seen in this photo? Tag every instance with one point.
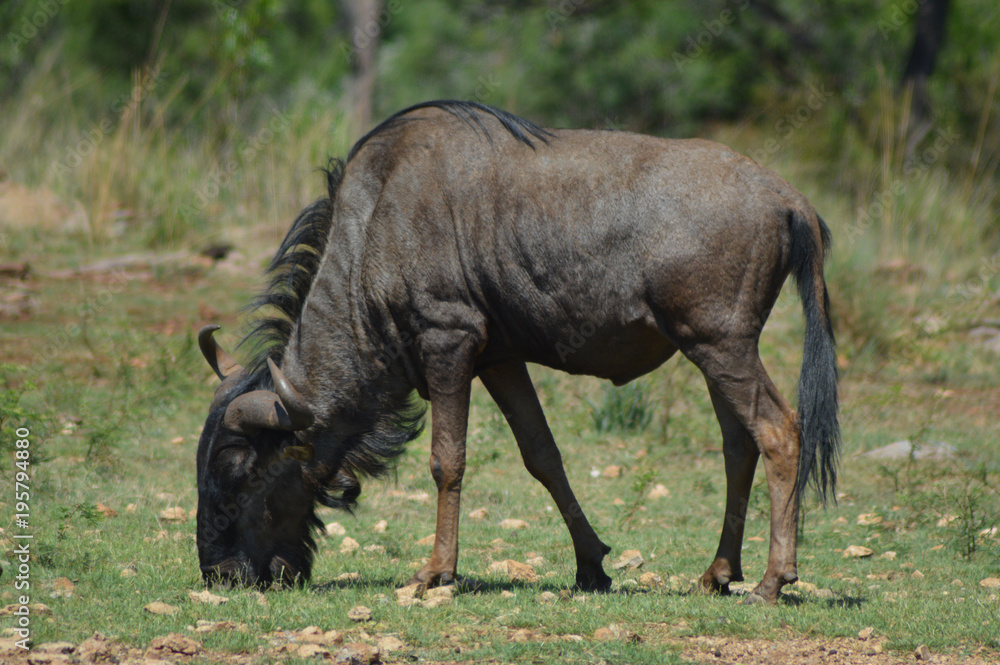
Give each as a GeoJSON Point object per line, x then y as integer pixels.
{"type": "Point", "coordinates": [741, 456]}
{"type": "Point", "coordinates": [512, 390]}
{"type": "Point", "coordinates": [734, 373]}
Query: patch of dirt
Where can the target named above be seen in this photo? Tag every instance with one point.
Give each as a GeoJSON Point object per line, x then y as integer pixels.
{"type": "Point", "coordinates": [806, 651]}
{"type": "Point", "coordinates": [179, 648]}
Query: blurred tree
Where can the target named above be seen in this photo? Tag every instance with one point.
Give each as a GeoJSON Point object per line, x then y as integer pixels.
{"type": "Point", "coordinates": [928, 39]}
{"type": "Point", "coordinates": [367, 19]}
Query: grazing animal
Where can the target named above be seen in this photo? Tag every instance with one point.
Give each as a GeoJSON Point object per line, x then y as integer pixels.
{"type": "Point", "coordinates": [460, 241]}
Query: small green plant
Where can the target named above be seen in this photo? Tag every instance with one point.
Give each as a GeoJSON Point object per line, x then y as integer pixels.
{"type": "Point", "coordinates": [13, 412]}
{"type": "Point", "coordinates": [640, 487]}
{"type": "Point", "coordinates": [626, 409]}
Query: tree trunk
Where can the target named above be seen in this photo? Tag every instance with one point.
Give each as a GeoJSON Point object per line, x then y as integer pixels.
{"type": "Point", "coordinates": [928, 39]}
{"type": "Point", "coordinates": [365, 33]}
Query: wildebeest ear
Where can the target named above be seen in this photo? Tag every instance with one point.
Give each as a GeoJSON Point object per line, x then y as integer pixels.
{"type": "Point", "coordinates": [220, 361]}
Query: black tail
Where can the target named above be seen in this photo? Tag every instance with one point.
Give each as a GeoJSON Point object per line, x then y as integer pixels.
{"type": "Point", "coordinates": [820, 448]}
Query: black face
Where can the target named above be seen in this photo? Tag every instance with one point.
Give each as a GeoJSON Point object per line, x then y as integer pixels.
{"type": "Point", "coordinates": [255, 508]}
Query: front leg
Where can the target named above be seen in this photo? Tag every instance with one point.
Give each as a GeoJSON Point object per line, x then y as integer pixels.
{"type": "Point", "coordinates": [449, 385]}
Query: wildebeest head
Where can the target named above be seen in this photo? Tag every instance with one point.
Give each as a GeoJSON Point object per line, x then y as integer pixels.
{"type": "Point", "coordinates": [255, 490]}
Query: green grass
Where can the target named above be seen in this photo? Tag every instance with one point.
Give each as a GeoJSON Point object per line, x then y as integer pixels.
{"type": "Point", "coordinates": [139, 384]}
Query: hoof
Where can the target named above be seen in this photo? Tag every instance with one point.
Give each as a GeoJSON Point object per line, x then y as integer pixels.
{"type": "Point", "coordinates": [715, 584]}
{"type": "Point", "coordinates": [754, 598]}
{"type": "Point", "coordinates": [599, 583]}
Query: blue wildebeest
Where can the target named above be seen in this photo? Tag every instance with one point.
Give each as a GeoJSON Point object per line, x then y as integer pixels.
{"type": "Point", "coordinates": [460, 241]}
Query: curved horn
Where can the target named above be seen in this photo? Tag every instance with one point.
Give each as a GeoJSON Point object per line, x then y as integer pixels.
{"type": "Point", "coordinates": [299, 412]}
{"type": "Point", "coordinates": [219, 360]}
{"type": "Point", "coordinates": [263, 409]}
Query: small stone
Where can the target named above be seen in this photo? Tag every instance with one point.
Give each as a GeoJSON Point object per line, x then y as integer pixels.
{"type": "Point", "coordinates": [206, 597]}
{"type": "Point", "coordinates": [335, 529]}
{"type": "Point", "coordinates": [990, 583]}
{"type": "Point", "coordinates": [618, 502]}
{"type": "Point", "coordinates": [427, 541]}
{"type": "Point", "coordinates": [857, 552]}
{"type": "Point", "coordinates": [513, 524]}
{"type": "Point", "coordinates": [446, 591]}
{"type": "Point", "coordinates": [390, 643]}
{"type": "Point", "coordinates": [98, 649]}
{"type": "Point", "coordinates": [612, 471]}
{"type": "Point", "coordinates": [359, 613]}
{"type": "Point", "coordinates": [380, 526]}
{"type": "Point", "coordinates": [515, 571]}
{"type": "Point", "coordinates": [547, 597]}
{"type": "Point", "coordinates": [357, 653]}
{"type": "Point", "coordinates": [824, 593]}
{"type": "Point", "coordinates": [890, 556]}
{"type": "Point", "coordinates": [499, 544]}
{"type": "Point", "coordinates": [572, 638]}
{"type": "Point", "coordinates": [175, 514]}
{"type": "Point", "coordinates": [479, 514]}
{"type": "Point", "coordinates": [410, 591]}
{"type": "Point", "coordinates": [869, 519]}
{"type": "Point", "coordinates": [131, 508]}
{"type": "Point", "coordinates": [436, 601]}
{"type": "Point", "coordinates": [807, 587]}
{"type": "Point", "coordinates": [937, 548]}
{"type": "Point", "coordinates": [158, 607]}
{"type": "Point", "coordinates": [205, 626]}
{"type": "Point", "coordinates": [63, 587]}
{"type": "Point", "coordinates": [106, 510]}
{"type": "Point", "coordinates": [866, 633]}
{"type": "Point", "coordinates": [507, 594]}
{"type": "Point", "coordinates": [946, 520]}
{"type": "Point", "coordinates": [348, 577]}
{"type": "Point", "coordinates": [375, 549]}
{"type": "Point", "coordinates": [917, 575]}
{"type": "Point", "coordinates": [658, 492]}
{"type": "Point", "coordinates": [348, 545]}
{"type": "Point", "coordinates": [615, 632]}
{"type": "Point", "coordinates": [651, 580]}
{"type": "Point", "coordinates": [629, 560]}
{"type": "Point", "coordinates": [171, 645]}
{"type": "Point", "coordinates": [922, 652]}
{"type": "Point", "coordinates": [311, 650]}
{"type": "Point", "coordinates": [419, 497]}
{"type": "Point", "coordinates": [54, 647]}
{"type": "Point", "coordinates": [535, 561]}
{"type": "Point", "coordinates": [129, 572]}
{"type": "Point", "coordinates": [521, 635]}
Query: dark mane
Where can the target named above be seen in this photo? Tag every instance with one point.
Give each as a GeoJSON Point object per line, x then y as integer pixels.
{"type": "Point", "coordinates": [471, 114]}
{"type": "Point", "coordinates": [291, 273]}
{"type": "Point", "coordinates": [386, 420]}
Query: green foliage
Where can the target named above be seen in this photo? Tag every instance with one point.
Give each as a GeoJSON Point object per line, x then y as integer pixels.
{"type": "Point", "coordinates": [15, 413]}
{"type": "Point", "coordinates": [625, 409]}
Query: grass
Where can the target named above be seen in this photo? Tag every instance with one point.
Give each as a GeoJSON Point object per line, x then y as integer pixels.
{"type": "Point", "coordinates": [105, 372]}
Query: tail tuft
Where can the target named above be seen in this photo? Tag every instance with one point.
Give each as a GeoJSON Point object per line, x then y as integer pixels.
{"type": "Point", "coordinates": [818, 404]}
